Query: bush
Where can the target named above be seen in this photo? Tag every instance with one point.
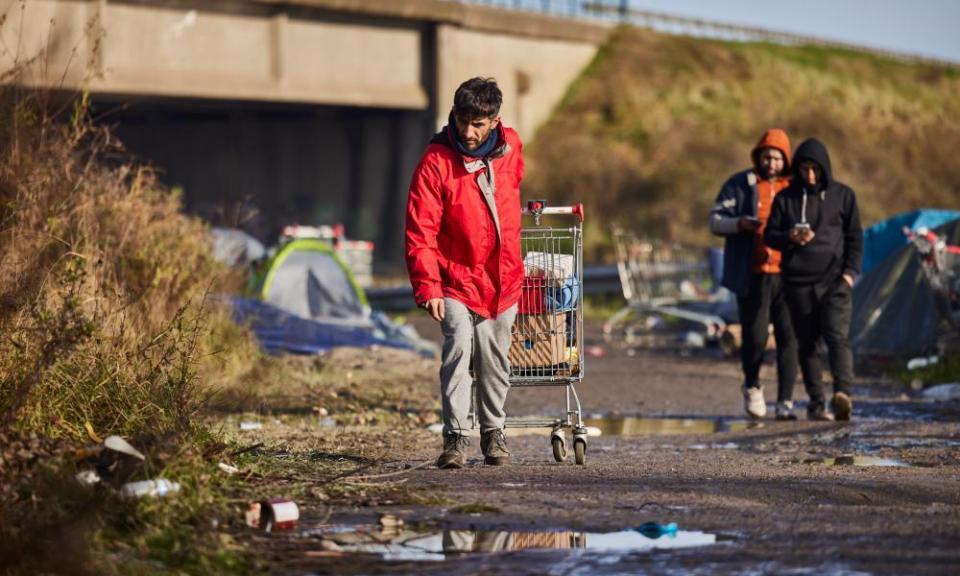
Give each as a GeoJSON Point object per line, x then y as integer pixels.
{"type": "Point", "coordinates": [102, 281]}
{"type": "Point", "coordinates": [106, 328]}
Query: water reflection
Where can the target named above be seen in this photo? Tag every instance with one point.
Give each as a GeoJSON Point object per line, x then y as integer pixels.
{"type": "Point", "coordinates": [635, 426]}
{"type": "Point", "coordinates": [411, 545]}
{"type": "Point", "coordinates": [848, 460]}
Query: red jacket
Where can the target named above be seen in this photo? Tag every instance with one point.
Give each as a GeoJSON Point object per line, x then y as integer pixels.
{"type": "Point", "coordinates": [456, 245]}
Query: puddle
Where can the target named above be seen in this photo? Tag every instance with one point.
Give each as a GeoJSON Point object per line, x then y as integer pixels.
{"type": "Point", "coordinates": [409, 545]}
{"type": "Point", "coordinates": [876, 440]}
{"type": "Point", "coordinates": [859, 461]}
{"type": "Point", "coordinates": [515, 432]}
{"type": "Point", "coordinates": [633, 426]}
{"type": "Point", "coordinates": [636, 426]}
{"type": "Point", "coordinates": [724, 446]}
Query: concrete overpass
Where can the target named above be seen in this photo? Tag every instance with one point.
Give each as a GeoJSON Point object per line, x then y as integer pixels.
{"type": "Point", "coordinates": [312, 111]}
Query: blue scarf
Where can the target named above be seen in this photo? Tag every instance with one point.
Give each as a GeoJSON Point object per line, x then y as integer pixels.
{"type": "Point", "coordinates": [483, 150]}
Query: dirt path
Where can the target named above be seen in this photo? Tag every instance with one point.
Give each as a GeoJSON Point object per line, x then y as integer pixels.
{"type": "Point", "coordinates": [768, 494]}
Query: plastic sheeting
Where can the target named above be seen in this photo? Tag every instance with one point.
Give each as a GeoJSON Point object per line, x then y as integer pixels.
{"type": "Point", "coordinates": [279, 331]}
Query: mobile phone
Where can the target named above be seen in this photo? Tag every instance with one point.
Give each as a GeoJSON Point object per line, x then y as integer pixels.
{"type": "Point", "coordinates": [801, 226]}
{"type": "Point", "coordinates": [752, 218]}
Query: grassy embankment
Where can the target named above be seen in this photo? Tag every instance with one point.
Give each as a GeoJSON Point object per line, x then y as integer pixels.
{"type": "Point", "coordinates": [656, 123]}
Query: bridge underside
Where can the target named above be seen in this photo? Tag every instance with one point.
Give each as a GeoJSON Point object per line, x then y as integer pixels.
{"type": "Point", "coordinates": [260, 167]}
{"type": "Point", "coordinates": [269, 112]}
{"type": "Point", "coordinates": [220, 50]}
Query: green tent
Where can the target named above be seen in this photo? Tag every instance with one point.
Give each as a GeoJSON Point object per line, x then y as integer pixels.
{"type": "Point", "coordinates": [306, 278]}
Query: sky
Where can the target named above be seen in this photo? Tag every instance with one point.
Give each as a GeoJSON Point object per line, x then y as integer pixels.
{"type": "Point", "coordinates": [922, 27]}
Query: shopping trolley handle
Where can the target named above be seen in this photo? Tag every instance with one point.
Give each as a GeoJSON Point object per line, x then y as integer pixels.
{"type": "Point", "coordinates": [537, 208]}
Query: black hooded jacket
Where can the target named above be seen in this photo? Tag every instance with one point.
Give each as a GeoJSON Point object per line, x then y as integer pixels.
{"type": "Point", "coordinates": [831, 210]}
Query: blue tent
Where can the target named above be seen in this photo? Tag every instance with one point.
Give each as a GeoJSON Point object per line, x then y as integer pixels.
{"type": "Point", "coordinates": [886, 236]}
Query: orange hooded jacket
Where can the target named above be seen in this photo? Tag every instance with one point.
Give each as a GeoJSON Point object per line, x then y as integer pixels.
{"type": "Point", "coordinates": [766, 260]}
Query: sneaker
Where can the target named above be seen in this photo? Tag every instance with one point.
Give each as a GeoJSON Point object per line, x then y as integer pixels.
{"type": "Point", "coordinates": [753, 402]}
{"type": "Point", "coordinates": [785, 410]}
{"type": "Point", "coordinates": [494, 448]}
{"type": "Point", "coordinates": [819, 412]}
{"type": "Point", "coordinates": [453, 456]}
{"type": "Point", "coordinates": [842, 406]}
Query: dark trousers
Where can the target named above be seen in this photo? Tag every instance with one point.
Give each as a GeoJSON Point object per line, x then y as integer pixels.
{"type": "Point", "coordinates": [823, 310]}
{"type": "Point", "coordinates": [763, 304]}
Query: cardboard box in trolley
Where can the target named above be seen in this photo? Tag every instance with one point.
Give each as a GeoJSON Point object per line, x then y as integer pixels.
{"type": "Point", "coordinates": [538, 340]}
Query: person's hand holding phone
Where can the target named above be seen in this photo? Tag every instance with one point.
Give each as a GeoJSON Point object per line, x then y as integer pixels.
{"type": "Point", "coordinates": [801, 234]}
{"type": "Point", "coordinates": [748, 224]}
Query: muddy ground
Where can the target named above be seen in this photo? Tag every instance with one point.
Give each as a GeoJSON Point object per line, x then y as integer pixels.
{"type": "Point", "coordinates": [767, 494]}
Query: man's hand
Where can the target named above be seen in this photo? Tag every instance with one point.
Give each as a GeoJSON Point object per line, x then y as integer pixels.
{"type": "Point", "coordinates": [801, 236]}
{"type": "Point", "coordinates": [848, 279]}
{"type": "Point", "coordinates": [747, 224]}
{"type": "Point", "coordinates": [435, 308]}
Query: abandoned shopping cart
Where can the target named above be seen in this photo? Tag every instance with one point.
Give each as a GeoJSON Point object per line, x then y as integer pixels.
{"type": "Point", "coordinates": [663, 278]}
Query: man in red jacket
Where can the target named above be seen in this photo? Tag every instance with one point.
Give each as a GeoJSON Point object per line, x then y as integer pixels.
{"type": "Point", "coordinates": [463, 255]}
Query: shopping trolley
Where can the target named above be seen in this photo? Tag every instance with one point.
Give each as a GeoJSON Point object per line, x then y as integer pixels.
{"type": "Point", "coordinates": [546, 347]}
{"type": "Point", "coordinates": [660, 277]}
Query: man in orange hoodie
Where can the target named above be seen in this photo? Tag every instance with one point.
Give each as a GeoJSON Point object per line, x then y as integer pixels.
{"type": "Point", "coordinates": [751, 270]}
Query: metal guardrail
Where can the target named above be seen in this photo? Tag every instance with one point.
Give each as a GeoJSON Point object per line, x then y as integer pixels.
{"type": "Point", "coordinates": [620, 11]}
{"type": "Point", "coordinates": [596, 280]}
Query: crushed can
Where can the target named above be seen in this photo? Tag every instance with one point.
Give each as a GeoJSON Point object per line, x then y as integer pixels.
{"type": "Point", "coordinates": [273, 514]}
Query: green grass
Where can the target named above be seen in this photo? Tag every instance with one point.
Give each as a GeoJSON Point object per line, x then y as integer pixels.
{"type": "Point", "coordinates": [945, 371]}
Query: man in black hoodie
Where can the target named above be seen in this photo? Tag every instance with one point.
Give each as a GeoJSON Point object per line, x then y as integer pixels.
{"type": "Point", "coordinates": [815, 224]}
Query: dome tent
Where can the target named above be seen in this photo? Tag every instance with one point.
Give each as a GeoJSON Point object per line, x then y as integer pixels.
{"type": "Point", "coordinates": [896, 312]}
{"type": "Point", "coordinates": [307, 279]}
{"type": "Point", "coordinates": [234, 247]}
{"type": "Point", "coordinates": [308, 301]}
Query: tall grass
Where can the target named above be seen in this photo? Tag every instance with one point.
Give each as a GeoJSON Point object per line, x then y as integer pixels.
{"type": "Point", "coordinates": [102, 280]}
{"type": "Point", "coordinates": [105, 325]}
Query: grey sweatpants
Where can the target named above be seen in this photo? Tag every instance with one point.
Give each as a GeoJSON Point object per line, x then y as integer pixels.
{"type": "Point", "coordinates": [466, 334]}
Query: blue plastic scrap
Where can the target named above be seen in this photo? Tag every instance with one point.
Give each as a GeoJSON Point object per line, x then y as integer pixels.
{"type": "Point", "coordinates": [655, 529]}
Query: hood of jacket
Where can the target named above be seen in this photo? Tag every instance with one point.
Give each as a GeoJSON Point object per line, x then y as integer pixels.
{"type": "Point", "coordinates": [813, 150]}
{"type": "Point", "coordinates": [773, 138]}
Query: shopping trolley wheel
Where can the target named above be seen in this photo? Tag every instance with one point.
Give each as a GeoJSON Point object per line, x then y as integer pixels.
{"type": "Point", "coordinates": [580, 451]}
{"type": "Point", "coordinates": [559, 448]}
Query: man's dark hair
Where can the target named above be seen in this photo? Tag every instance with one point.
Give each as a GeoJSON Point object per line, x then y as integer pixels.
{"type": "Point", "coordinates": [477, 98]}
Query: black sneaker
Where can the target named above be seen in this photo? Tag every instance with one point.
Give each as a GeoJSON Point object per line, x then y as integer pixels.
{"type": "Point", "coordinates": [842, 405]}
{"type": "Point", "coordinates": [494, 448]}
{"type": "Point", "coordinates": [453, 456]}
{"type": "Point", "coordinates": [785, 410]}
{"type": "Point", "coordinates": [819, 412]}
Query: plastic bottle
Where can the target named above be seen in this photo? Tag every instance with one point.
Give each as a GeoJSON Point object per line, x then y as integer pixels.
{"type": "Point", "coordinates": [156, 487]}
